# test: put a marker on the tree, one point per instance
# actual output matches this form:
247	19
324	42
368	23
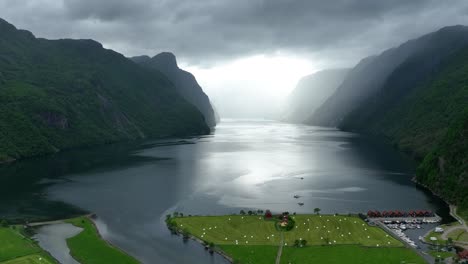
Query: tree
185	234
211	245
449	242
297	243
242	212
303	243
249	212
3	223
317	210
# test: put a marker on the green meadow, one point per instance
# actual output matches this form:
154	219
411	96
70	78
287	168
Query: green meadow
352	254
18	249
88	248
317	230
330	239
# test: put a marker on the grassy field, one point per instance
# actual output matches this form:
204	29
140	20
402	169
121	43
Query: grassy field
331	239
88	248
17	249
459	235
349	254
251	254
322	230
30	259
254	230
456	235
442	254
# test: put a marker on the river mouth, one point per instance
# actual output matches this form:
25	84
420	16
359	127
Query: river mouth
245	164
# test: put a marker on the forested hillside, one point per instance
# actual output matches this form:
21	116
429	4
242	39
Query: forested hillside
422	108
393	73
59	94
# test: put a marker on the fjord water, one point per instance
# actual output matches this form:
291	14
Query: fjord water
244	164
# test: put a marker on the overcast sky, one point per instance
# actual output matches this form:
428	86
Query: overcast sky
241	49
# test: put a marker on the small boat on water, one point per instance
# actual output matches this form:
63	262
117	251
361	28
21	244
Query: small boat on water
301	204
296	196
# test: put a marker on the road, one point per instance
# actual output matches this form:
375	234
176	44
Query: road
280	250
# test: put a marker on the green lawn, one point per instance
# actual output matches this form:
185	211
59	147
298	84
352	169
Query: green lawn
14	245
225	230
251	254
442	254
254	230
433	234
29	259
459	235
331	239
349	254
456	235
17	249
88	248
332	230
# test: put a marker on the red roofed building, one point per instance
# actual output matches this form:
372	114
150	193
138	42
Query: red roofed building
463	254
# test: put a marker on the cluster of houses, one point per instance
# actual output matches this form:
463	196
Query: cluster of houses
397	213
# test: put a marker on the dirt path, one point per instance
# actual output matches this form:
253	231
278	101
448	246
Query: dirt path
280	250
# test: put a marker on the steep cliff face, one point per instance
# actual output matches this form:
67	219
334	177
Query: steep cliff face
428	121
311	92
445	169
368	78
416	96
59	94
184	82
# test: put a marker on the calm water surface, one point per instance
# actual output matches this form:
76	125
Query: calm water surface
244	164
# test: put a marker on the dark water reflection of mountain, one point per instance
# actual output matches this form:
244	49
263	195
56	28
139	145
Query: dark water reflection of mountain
244	164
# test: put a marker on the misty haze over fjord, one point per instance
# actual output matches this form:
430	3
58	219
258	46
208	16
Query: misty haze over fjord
247	55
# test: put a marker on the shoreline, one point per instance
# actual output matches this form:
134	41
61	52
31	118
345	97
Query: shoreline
91	217
213	245
447	203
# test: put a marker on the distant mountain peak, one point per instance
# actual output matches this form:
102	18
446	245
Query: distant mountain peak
185	83
4	23
6	27
141	59
167	58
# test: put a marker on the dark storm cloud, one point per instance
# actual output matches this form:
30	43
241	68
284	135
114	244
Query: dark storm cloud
208	30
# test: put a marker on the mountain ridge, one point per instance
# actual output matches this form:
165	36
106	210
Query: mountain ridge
184	81
310	92
366	78
417	100
61	94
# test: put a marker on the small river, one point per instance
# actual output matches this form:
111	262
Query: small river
244	164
